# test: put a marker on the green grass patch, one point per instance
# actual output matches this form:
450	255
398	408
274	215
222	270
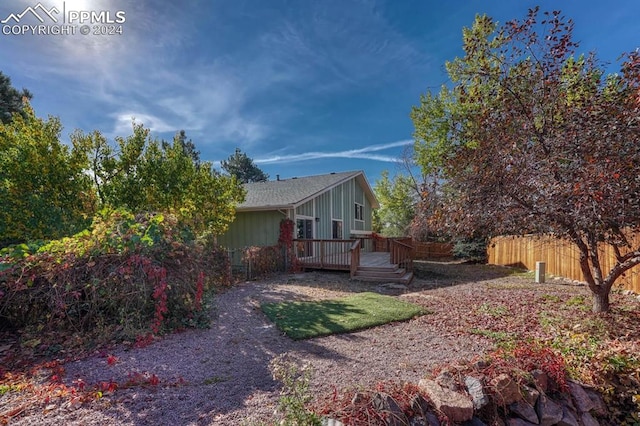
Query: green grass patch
494	311
305	320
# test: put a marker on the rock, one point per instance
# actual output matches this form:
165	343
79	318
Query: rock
429	419
420	405
568	418
582	401
599	407
476	391
474	422
525	411
506	391
530	395
385	404
588	420
517	421
432	419
541	380
549	411
457	407
446	380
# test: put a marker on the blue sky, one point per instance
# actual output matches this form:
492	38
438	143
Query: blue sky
303	87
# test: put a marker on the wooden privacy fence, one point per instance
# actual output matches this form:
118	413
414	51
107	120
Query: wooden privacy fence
561	257
421	250
424	250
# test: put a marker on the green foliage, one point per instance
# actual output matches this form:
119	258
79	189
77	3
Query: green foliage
127	275
432	121
243	168
295	396
144	174
44	190
12	100
304	320
534	138
397	199
473	250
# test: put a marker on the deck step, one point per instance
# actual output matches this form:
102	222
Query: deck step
378	268
389	273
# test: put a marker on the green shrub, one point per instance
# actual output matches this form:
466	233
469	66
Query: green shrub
129	274
473	250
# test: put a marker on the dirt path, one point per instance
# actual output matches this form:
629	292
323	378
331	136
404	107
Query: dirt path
220	376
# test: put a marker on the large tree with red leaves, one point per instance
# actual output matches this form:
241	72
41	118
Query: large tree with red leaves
532	137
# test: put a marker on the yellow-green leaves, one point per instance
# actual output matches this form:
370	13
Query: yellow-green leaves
44	192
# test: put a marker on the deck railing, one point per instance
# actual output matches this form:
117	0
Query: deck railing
324	254
345	255
400	253
355	257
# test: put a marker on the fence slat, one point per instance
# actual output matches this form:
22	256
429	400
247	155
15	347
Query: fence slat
561	256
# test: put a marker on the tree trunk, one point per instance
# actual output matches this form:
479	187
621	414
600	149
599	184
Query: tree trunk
601	301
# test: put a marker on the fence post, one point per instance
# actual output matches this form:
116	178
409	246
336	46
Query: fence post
540	271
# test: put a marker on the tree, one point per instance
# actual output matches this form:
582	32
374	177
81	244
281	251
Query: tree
145	174
187	146
243	168
540	140
12	100
44	190
397	204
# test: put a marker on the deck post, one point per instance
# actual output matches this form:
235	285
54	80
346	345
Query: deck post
355	258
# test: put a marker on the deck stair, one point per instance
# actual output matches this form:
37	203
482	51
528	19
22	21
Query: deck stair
392	266
387	273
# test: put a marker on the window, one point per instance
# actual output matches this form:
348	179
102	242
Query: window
359	212
304	228
304	231
336	225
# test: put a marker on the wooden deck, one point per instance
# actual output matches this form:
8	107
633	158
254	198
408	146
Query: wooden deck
363	265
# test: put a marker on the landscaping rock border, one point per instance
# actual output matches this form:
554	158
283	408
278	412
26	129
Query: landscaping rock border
501	401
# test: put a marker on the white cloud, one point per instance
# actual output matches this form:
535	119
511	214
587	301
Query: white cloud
123	123
360	153
245	94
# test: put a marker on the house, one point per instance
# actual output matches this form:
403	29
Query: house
332	215
330	206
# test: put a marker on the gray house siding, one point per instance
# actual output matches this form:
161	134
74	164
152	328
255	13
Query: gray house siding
314	202
337	202
260	228
323	209
307	209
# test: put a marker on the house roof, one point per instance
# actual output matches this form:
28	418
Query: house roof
292	192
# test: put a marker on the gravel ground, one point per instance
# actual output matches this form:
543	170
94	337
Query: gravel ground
220	376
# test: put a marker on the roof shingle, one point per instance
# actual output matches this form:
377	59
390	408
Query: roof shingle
288	193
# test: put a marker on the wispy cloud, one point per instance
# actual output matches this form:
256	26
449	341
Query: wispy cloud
124	122
339	43
247	75
366	153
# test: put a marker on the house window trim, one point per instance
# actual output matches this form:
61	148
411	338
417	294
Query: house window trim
340	237
361	210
